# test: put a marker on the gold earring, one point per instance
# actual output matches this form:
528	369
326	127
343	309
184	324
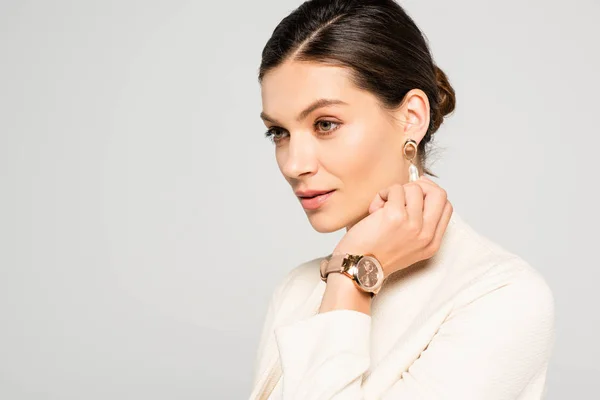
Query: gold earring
410	153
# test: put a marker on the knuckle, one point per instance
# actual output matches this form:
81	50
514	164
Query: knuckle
430	250
394	191
434	246
413	186
425	254
395	216
396	187
425	239
413	228
443	193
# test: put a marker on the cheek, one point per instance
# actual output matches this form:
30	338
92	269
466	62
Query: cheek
279	157
354	156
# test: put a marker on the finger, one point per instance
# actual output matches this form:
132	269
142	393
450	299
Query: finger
427	181
395	200
384	193
414	202
376	204
435	199
435	243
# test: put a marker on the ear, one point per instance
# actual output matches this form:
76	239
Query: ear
414	114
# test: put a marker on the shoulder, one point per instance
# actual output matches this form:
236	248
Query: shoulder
511	297
517	284
507	315
483	275
482	262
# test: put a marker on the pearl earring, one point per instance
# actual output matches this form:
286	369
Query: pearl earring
410	153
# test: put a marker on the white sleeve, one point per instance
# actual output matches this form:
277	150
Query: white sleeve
490	348
266	335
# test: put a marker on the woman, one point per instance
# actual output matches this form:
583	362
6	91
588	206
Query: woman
412	303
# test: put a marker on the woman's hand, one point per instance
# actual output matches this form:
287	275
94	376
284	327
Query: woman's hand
405	225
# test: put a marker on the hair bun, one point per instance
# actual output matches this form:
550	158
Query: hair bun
446	98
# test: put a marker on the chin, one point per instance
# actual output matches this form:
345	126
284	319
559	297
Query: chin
324	223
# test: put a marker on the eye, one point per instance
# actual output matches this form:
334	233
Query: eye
327	125
274	134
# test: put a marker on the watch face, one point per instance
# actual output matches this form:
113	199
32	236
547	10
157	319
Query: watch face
369	273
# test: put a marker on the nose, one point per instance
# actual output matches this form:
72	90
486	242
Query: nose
301	156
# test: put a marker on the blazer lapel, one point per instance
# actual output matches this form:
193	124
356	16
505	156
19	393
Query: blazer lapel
272	373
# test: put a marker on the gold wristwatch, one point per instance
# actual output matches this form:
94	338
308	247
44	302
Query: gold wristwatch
364	270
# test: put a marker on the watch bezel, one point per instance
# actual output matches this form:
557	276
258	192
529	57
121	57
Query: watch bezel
380	275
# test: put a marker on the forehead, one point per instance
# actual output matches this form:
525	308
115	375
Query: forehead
294	84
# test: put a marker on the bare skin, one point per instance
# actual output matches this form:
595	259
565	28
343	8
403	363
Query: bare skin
406	224
353	146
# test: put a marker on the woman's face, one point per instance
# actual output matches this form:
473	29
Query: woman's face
331	136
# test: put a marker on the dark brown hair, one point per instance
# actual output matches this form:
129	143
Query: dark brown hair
381	45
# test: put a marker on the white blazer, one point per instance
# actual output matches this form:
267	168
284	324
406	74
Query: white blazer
474	322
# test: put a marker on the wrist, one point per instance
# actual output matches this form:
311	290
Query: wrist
341	293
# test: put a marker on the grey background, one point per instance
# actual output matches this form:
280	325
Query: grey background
144	222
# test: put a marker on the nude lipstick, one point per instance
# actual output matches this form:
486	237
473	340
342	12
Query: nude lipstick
313	199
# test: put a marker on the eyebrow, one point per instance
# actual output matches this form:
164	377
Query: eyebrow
320	103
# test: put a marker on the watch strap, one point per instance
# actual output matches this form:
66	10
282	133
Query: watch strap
332	263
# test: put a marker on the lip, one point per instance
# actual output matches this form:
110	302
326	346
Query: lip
311	193
312	203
